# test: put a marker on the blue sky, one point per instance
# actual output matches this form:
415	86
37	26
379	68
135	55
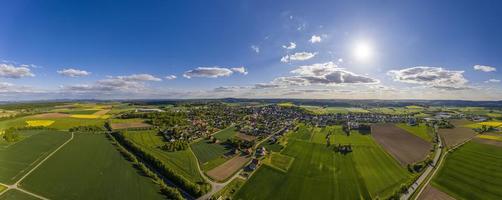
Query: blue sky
342	49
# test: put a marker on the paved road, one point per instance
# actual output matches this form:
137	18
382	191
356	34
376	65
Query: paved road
15	186
432	168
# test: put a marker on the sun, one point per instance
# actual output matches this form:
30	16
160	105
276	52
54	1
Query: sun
363	51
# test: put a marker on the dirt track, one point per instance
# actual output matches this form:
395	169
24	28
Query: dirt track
404	146
228	168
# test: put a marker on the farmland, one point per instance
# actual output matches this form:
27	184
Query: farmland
319	173
100	168
405	147
212	154
421	130
474	171
183	162
16	159
458	134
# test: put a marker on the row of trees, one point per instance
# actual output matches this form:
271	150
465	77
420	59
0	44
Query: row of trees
12	134
169	192
87	129
178	145
192	188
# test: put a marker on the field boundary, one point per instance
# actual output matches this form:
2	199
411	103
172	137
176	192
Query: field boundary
16	185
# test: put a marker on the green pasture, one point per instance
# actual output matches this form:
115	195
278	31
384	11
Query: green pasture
90	167
474	171
317	172
421	130
59	123
209	154
182	162
16	195
18	158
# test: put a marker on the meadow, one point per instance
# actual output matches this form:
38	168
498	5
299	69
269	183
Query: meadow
209	154
317	172
18	158
64	123
421	130
182	162
474	171
16	195
89	167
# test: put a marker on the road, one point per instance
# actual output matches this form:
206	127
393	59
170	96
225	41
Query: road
432	168
15	186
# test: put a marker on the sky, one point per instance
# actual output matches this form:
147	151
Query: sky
250	49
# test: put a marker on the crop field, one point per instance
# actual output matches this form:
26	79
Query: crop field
102	173
421	130
491	137
328	110
18	158
474	171
212	154
227	169
44	123
81	112
405	147
431	192
126	125
317	172
182	162
457	135
280	161
60	123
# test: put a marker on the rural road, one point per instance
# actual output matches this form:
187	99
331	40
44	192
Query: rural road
15	186
438	158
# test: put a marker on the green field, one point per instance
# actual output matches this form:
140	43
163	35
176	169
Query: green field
474	171
280	161
89	167
317	172
81	112
18	158
59	123
16	195
182	162
421	130
210	154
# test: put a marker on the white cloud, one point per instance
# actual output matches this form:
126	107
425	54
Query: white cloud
208	72
291	46
11	71
170	77
492	81
255	48
315	39
484	68
139	77
70	72
300	56
240	70
11	88
318	74
431	76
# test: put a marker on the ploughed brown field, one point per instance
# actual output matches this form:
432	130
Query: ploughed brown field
51	115
245	137
129	125
457	135
225	170
405	147
487	141
101	112
431	193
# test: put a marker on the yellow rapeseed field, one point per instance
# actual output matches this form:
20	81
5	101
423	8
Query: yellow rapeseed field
490	137
495	124
86	116
39	122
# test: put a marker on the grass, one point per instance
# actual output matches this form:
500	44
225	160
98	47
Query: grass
59	123
421	130
280	161
275	147
207	152
229	190
226	133
319	173
182	162
89	167
16	195
474	171
81	112
44	123
18	158
2	188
